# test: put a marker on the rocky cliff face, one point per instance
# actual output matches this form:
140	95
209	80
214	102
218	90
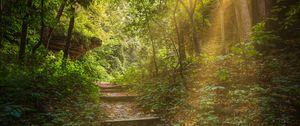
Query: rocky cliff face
79	43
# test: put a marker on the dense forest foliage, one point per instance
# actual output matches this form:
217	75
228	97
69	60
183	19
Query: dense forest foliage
192	62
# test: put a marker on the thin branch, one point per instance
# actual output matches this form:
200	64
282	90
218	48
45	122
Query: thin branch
185	7
168	36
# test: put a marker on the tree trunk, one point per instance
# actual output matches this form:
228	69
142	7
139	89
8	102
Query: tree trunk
181	47
179	31
41	30
1	22
222	21
154	56
59	14
71	26
191	11
181	42
22	46
243	18
194	30
195	37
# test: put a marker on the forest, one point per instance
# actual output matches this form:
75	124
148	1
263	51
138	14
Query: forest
185	62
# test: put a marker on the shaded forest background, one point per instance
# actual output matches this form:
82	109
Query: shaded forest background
193	62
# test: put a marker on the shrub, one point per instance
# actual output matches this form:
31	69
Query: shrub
47	90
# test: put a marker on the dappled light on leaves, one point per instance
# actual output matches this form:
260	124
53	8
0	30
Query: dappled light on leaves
150	62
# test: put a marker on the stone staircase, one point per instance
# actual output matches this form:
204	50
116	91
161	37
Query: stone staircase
121	108
148	121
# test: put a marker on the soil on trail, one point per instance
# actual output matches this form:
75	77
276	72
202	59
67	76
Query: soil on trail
123	110
120	109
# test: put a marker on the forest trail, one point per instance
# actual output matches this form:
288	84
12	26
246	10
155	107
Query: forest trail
121	108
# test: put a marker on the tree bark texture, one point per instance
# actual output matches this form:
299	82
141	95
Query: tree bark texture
243	18
36	46
180	37
58	16
22	46
69	37
1	22
191	12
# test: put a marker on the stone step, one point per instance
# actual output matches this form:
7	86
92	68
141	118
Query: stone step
123	93
111	87
147	121
107	85
112	90
118	98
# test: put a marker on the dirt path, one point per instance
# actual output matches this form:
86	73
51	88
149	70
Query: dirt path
121	108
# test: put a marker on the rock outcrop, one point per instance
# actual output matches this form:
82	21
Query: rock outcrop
79	43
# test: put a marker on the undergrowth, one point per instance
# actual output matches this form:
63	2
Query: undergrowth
246	86
46	90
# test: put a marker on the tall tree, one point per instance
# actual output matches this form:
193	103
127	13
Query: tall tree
22	46
191	12
42	28
180	37
58	16
83	3
243	18
70	30
1	22
153	51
